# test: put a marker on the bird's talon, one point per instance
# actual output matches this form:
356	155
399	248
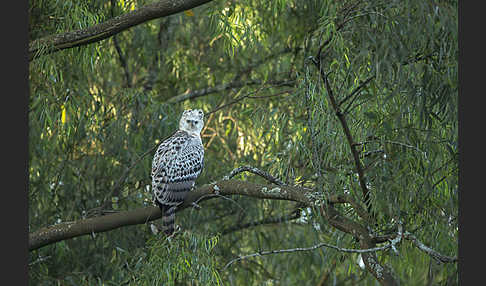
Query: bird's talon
196	206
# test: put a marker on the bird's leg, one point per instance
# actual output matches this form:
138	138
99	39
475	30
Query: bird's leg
154	228
195	205
177	230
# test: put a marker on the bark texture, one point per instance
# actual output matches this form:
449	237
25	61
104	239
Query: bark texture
67	230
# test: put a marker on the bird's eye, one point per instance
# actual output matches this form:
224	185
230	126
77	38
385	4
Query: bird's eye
188	121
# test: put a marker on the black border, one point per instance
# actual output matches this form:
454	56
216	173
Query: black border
14	115
469	22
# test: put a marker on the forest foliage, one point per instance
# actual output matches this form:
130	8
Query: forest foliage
97	111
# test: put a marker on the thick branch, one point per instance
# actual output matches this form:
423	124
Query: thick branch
62	231
109	28
67	230
52	234
55	233
382	273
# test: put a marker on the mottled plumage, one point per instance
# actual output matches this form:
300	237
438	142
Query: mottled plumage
177	163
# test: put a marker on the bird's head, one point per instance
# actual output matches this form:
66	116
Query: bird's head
192	121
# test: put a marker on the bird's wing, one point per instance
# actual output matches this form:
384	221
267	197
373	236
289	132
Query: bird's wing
177	163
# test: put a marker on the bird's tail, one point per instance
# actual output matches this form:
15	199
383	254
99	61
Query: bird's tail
168	217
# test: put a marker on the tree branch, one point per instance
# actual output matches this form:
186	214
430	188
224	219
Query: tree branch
248	95
272	220
66	230
440	258
58	232
121	57
53	43
221	87
62	231
434	254
116	189
347	133
256	171
356	91
382	273
299	249
256	64
123	62
165	31
209	90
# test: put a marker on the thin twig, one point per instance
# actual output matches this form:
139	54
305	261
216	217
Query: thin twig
256	64
123	61
209	90
124	176
164	32
349	137
255	171
356	90
204	197
121	57
369	153
419	58
39	260
434	254
320	245
222	87
271	95
248	95
350	107
390	142
294	215
404	145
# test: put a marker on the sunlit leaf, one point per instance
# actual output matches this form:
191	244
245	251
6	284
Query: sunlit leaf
189	13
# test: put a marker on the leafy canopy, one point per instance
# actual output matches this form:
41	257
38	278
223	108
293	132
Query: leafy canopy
95	110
